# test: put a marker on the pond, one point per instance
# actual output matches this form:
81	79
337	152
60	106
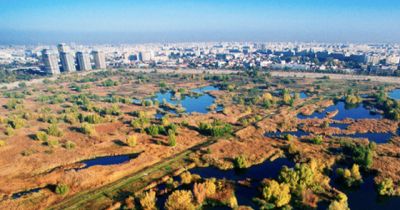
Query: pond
354	112
26	192
191	104
395	94
244	194
107	160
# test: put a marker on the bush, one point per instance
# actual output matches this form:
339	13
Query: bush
362	155
16	122
186	177
171	138
69	145
386	187
62	189
340	203
52	143
180	199
216	128
153	130
350	177
9	131
317	139
53	130
240	162
42	136
131	140
2	143
148	201
276	194
88	129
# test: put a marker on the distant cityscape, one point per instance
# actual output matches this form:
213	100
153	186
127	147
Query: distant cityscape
376	59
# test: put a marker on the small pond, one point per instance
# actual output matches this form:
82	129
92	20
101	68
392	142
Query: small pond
191	104
107	160
26	192
395	94
353	112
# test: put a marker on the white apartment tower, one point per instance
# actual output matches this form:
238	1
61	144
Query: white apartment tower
99	60
67	60
83	60
50	61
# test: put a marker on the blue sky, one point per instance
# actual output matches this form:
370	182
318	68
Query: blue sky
114	21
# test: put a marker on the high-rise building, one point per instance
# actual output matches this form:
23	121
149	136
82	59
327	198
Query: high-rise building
146	56
99	60
67	59
50	61
83	60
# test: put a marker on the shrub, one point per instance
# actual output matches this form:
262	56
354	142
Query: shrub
94	119
317	139
62	189
180	199
131	140
386	187
53	130
171	138
69	145
240	162
350	177
42	136
9	131
290	137
340	203
353	99
362	155
16	122
2	143
216	128
186	177
148	201
153	130
276	194
52	143
165	121
88	129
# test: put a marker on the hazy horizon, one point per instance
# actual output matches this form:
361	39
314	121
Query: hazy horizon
98	22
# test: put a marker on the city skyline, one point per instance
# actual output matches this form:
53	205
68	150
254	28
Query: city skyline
90	22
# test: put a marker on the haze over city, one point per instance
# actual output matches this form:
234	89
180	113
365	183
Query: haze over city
100	21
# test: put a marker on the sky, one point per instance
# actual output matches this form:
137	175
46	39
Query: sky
131	21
